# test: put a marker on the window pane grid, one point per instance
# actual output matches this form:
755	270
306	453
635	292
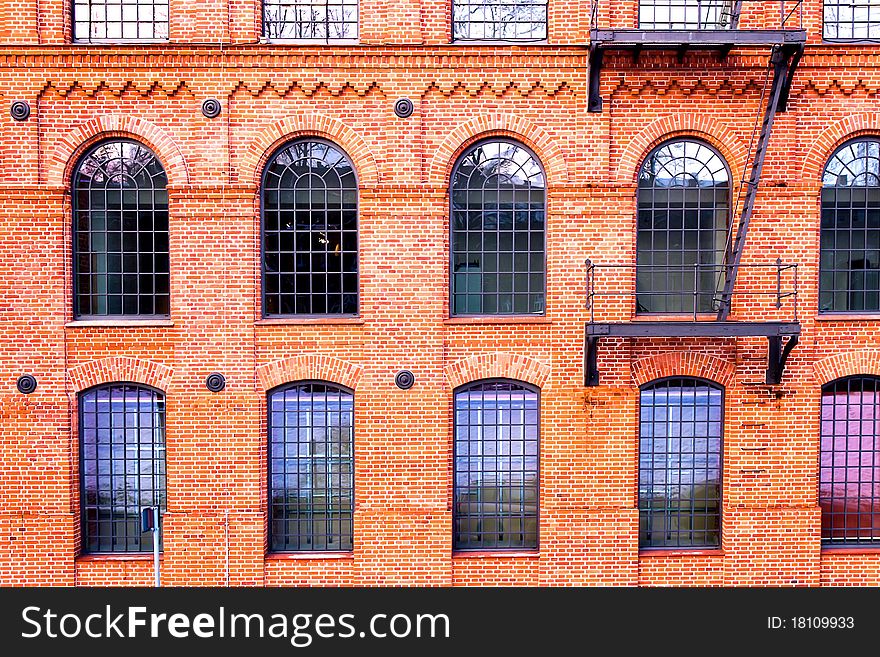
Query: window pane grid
497	20
849	470
310	232
686	14
121	232
122	465
849	20
318	20
497	224
496	467
112	20
311	468
849	277
683	210
680	464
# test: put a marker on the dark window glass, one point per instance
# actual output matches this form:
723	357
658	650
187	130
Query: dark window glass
120	242
851	20
310	232
680	464
686	14
499	20
497	223
122	465
496	467
117	20
319	20
311	468
849	251
849	470
683	206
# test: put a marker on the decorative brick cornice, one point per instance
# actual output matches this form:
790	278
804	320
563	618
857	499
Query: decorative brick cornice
309	367
497	366
499	86
308	124
282	84
854	125
683	363
849	363
118	369
692	124
488	125
69	146
686	83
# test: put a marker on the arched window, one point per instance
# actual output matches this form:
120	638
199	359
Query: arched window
849	468
122	465
499	20
324	21
849	250
310	231
680	464
686	14
496	466
120	208
683	210
311	467
851	20
498	204
120	20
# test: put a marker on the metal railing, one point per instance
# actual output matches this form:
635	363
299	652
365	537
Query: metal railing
779	285
698	15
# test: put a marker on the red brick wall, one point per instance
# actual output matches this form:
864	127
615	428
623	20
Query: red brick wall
216	522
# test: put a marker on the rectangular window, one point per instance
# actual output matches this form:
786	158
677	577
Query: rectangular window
686	14
311	20
120	20
849	20
499	20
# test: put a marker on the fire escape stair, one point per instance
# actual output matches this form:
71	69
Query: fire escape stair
787	50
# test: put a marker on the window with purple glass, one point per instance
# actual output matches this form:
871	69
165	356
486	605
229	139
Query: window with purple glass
849	464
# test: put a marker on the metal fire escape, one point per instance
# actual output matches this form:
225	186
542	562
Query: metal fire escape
711	25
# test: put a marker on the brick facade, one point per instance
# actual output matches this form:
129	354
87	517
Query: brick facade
216	527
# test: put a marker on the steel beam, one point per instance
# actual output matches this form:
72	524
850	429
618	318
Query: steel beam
662	39
777	353
648	329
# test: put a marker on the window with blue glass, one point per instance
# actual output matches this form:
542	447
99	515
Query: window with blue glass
311	467
122	465
680	464
496	466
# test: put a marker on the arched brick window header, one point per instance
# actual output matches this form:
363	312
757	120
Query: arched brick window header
120	368
311	367
514	367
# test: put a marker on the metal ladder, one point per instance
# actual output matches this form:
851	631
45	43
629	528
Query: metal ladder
784	60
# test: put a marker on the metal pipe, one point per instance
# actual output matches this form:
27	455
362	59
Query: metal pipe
778	283
156	528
